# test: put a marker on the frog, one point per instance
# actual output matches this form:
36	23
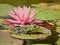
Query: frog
29	29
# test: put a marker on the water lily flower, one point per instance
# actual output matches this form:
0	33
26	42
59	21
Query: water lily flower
21	15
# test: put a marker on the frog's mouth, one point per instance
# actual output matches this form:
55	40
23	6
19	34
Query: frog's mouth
29	32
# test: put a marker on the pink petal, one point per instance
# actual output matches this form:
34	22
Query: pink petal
17	10
31	17
38	21
32	14
22	23
13	15
12	21
7	22
30	20
26	14
20	13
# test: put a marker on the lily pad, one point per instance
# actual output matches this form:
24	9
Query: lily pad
4	8
33	36
47	14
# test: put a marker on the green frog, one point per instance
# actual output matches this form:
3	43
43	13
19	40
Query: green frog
29	29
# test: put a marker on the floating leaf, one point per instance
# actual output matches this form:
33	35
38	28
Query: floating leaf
48	14
4	8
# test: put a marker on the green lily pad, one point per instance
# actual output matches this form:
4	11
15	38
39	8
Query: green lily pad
4	8
32	36
47	14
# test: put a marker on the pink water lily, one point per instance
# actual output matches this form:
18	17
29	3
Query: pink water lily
21	15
